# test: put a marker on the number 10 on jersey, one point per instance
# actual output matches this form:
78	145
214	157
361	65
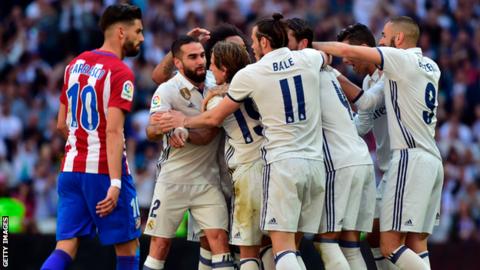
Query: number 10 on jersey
287	99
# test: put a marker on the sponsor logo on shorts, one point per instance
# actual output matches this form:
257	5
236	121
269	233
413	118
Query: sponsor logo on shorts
438	216
273	221
340	222
237	235
409	223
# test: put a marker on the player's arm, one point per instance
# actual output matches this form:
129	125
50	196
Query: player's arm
202	136
62	121
153	130
211	118
340	49
373	98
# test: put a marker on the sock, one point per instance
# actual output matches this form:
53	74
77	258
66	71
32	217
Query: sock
249	264
266	255
287	260
425	257
300	261
58	260
205	259
128	262
351	251
380	261
331	254
223	261
153	264
405	258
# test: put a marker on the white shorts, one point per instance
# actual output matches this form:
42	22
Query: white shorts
170	201
293	195
247	198
194	232
349	199
411	199
380	190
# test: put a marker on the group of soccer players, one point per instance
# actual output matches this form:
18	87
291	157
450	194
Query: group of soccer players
285	130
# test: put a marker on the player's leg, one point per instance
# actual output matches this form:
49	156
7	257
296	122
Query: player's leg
245	219
418	243
350	246
128	255
205	257
266	254
73	220
166	212
209	209
404	206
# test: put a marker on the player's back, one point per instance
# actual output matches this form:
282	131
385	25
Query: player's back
93	81
342	145
411	92
284	86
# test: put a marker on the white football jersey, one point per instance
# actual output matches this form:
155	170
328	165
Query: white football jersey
284	86
342	146
244	135
192	164
372	115
411	88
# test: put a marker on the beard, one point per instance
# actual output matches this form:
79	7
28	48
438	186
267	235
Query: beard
130	49
193	75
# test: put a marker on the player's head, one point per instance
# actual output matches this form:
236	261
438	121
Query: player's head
226	32
269	34
227	58
123	23
357	34
300	34
189	58
400	32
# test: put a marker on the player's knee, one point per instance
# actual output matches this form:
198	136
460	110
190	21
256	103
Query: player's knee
127	249
160	244
217	236
70	246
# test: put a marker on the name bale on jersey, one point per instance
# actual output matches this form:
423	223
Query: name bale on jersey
282	65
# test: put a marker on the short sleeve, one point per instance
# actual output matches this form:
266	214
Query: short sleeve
122	89
161	100
393	61
315	57
63	94
240	87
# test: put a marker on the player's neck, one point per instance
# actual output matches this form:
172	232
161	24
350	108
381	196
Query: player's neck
107	46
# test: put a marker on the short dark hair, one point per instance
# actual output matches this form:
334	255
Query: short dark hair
301	30
221	32
357	34
274	29
119	13
231	56
179	42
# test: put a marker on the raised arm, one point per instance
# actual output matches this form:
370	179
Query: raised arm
341	49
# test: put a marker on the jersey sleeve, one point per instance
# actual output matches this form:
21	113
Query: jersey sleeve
372	98
63	94
122	89
393	61
363	122
161	100
240	87
315	57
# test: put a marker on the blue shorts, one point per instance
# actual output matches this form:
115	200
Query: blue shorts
79	194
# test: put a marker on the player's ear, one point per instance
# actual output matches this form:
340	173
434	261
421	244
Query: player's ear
399	38
263	42
178	63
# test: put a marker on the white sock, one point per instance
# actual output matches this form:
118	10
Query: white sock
425	257
380	261
205	259
249	264
223	261
351	251
300	261
266	255
287	260
331	255
405	258
153	264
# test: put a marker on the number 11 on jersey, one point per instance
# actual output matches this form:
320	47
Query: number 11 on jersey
287	99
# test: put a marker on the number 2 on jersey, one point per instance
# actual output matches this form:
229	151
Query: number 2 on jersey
430	98
287	99
89	118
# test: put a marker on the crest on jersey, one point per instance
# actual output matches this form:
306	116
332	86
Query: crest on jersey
151	224
127	90
185	93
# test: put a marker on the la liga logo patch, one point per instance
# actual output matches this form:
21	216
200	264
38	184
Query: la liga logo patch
127	91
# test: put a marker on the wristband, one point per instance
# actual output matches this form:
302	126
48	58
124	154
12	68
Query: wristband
116	183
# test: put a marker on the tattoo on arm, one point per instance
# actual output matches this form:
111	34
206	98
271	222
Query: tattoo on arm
168	68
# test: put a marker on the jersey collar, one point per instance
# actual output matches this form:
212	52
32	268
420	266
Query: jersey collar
416	50
274	54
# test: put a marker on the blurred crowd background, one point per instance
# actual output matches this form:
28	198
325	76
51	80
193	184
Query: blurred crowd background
38	38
